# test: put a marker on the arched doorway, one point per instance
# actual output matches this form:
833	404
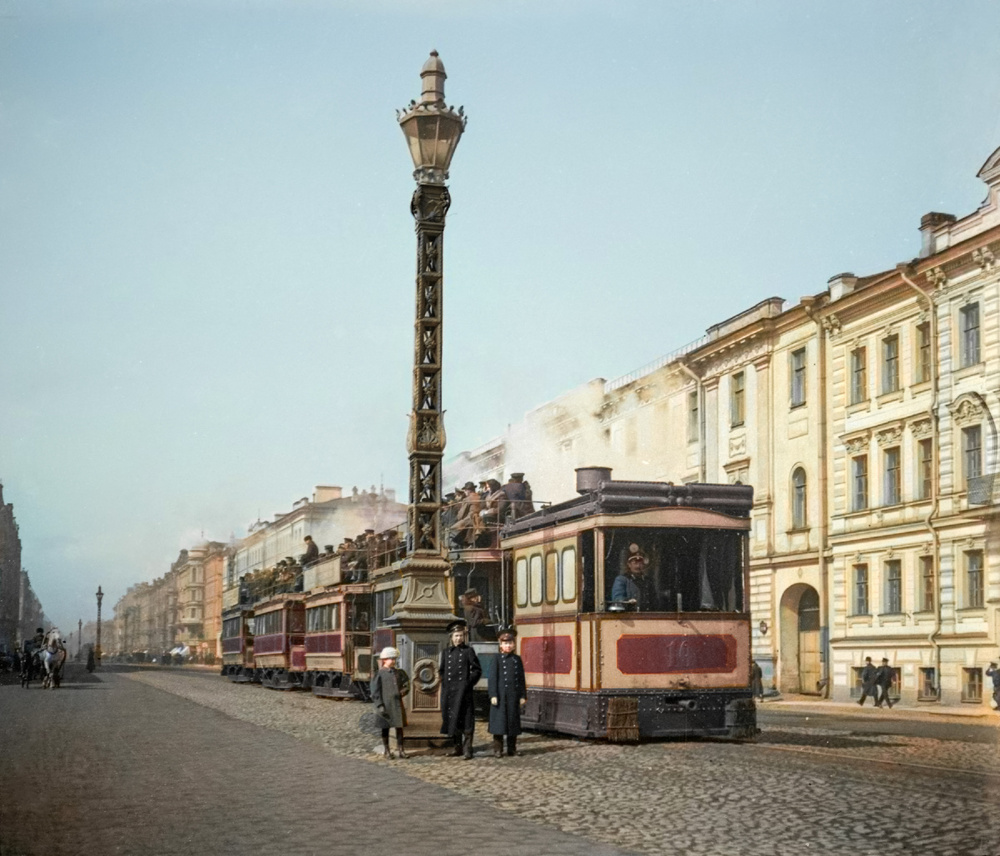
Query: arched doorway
800	640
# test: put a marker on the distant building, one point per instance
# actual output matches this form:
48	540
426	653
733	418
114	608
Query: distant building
10	577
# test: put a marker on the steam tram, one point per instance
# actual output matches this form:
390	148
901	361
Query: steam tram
673	661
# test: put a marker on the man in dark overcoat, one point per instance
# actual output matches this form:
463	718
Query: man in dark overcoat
883	681
868	682
508	694
460	670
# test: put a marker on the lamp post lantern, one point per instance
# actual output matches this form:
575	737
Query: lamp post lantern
97	646
432	130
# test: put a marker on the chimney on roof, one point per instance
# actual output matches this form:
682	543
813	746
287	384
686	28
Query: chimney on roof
841	285
929	224
324	493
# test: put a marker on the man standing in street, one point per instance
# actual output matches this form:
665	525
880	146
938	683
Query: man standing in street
868	682
883	681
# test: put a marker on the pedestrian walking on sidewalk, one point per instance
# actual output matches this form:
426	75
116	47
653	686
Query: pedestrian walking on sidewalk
883	681
868	687
994	672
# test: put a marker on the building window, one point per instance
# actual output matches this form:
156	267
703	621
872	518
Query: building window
694	417
799	499
972	684
894	587
861	589
891	477
925	468
968	322
736	402
859	483
923	367
798	371
928	684
859	375
928	583
890	364
974	578
972	451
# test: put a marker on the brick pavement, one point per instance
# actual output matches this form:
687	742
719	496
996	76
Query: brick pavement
123	768
797	790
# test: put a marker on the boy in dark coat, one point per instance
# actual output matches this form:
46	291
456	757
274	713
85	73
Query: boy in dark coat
459	670
388	687
508	694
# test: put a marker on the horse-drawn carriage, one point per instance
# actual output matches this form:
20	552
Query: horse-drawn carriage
44	655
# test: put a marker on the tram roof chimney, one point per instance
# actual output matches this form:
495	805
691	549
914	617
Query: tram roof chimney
588	479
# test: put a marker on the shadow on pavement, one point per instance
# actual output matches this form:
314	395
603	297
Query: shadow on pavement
787	738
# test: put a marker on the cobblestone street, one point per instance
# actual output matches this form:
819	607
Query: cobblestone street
799	789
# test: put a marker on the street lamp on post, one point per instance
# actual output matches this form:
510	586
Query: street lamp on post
97	646
432	130
79	637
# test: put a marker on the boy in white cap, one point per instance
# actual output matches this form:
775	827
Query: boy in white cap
388	687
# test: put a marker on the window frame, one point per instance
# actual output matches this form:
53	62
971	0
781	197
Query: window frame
892	476
859	375
972	456
923	364
797	377
928	582
737	399
890	364
975	579
969	335
861	587
972	684
859	479
694	417
800	507
567	572
925	468
893	587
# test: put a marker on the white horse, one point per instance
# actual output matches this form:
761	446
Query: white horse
53	657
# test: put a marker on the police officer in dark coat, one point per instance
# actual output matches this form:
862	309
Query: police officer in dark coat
508	693
460	670
868	682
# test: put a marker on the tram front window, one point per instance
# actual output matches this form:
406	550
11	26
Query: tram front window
673	570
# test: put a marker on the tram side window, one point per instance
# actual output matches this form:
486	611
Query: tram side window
683	570
359	619
323	618
521	581
231	627
265	625
551	576
384	601
535	578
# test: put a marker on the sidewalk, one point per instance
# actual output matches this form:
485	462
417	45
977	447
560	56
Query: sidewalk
815	704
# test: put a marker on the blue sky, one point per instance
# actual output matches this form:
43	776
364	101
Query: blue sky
207	256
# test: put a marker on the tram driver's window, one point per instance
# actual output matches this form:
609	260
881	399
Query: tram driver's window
567	569
551	576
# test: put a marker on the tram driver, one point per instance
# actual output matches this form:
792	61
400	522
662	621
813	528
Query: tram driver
631	589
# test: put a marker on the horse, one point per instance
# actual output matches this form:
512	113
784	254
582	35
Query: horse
53	657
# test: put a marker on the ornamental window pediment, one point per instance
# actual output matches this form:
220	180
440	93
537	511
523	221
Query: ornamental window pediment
857	442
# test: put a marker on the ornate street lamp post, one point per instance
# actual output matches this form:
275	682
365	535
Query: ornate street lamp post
432	131
97	647
79	637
